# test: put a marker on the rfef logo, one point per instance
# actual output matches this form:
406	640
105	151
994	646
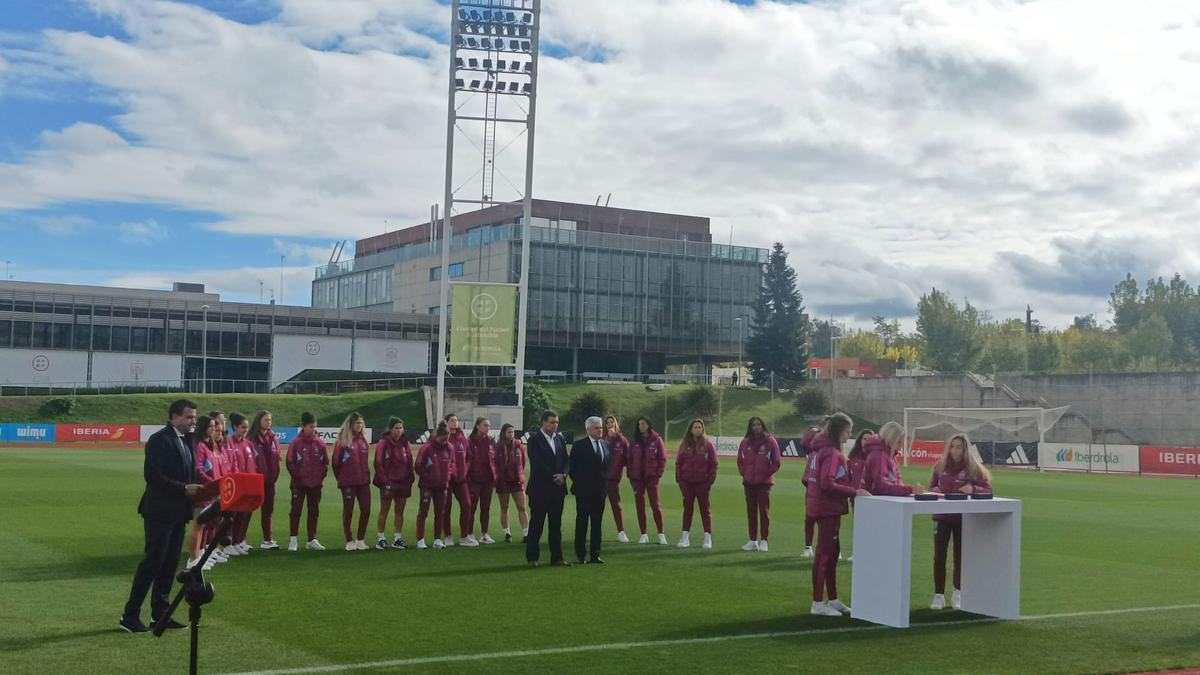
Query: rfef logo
41	363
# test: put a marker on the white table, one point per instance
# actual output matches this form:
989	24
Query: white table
882	569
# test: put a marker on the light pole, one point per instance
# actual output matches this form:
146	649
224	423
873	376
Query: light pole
204	351
260	291
833	344
282	258
741	333
6	264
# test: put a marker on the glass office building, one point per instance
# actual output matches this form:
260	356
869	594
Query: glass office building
104	337
611	290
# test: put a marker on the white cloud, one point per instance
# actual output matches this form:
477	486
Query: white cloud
62	225
889	145
142	232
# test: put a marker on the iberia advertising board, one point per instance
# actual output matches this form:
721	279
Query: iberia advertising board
98	433
1173	461
1098	457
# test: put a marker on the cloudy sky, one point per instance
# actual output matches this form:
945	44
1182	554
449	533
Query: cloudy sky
1007	151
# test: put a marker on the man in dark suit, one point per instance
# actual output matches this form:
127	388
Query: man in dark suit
589	483
549	465
166	508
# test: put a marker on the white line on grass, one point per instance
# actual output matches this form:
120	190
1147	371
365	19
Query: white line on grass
615	646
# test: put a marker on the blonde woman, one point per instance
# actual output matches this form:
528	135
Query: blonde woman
880	475
959	470
352	468
619	445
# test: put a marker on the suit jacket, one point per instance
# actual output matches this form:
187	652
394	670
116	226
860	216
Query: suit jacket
169	467
589	473
544	462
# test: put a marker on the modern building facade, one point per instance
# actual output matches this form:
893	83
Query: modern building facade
99	337
611	290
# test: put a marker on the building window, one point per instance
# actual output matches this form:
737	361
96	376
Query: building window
435	310
456	270
435	273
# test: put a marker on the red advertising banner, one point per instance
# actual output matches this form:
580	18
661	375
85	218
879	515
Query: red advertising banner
1177	461
98	433
925	453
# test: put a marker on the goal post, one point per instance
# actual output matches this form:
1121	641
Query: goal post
969	420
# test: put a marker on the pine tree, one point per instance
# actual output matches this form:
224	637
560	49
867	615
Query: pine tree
778	340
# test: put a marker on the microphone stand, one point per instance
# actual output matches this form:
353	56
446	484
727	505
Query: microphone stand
196	591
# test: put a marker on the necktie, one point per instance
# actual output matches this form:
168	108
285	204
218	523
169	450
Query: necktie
599	454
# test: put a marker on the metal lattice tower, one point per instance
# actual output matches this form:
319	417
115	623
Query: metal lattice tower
492	106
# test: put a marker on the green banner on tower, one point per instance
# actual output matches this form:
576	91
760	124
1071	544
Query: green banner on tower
483	324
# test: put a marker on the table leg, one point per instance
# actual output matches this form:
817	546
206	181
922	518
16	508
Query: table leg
882	567
991	566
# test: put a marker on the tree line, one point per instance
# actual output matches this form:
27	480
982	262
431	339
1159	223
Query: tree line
1154	326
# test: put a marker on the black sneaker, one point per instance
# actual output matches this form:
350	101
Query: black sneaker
133	625
171	624
399	543
382	545
508	537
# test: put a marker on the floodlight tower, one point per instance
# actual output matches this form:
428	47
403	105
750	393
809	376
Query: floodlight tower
492	104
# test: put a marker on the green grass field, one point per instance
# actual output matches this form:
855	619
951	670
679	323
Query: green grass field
70	539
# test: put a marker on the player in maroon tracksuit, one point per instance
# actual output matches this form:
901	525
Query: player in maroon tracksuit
434	465
647	462
695	472
394	477
880	475
857	460
810	525
511	459
959	470
267	458
307	463
616	466
829	490
241	452
207	470
460	487
758	459
352	468
482	477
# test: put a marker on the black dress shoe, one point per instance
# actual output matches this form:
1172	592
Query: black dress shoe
561	563
133	625
597	560
171	624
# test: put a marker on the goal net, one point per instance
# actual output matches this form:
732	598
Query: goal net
1001	435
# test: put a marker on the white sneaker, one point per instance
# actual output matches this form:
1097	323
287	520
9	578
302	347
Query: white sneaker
662	539
621	538
421	545
469	542
939	601
293	545
314	545
525	532
351	546
644	539
269	545
808	552
707	540
449	541
762	545
956	599
750	546
244	547
839	556
208	565
823	609
192	563
850	559
231	551
438	543
218	557
360	545
684	540
837	604
487	539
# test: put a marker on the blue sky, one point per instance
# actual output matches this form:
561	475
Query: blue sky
1009	151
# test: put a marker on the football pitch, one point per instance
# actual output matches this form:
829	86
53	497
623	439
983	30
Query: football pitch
1110	583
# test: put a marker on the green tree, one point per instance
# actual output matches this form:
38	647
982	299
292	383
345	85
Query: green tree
1150	341
823	333
950	336
862	345
1043	353
888	331
778	341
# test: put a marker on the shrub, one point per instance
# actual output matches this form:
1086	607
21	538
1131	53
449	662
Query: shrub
534	403
704	400
588	403
811	401
58	407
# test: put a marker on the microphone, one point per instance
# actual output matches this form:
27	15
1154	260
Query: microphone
239	492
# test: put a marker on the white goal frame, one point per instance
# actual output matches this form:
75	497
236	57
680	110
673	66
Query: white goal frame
1045	418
